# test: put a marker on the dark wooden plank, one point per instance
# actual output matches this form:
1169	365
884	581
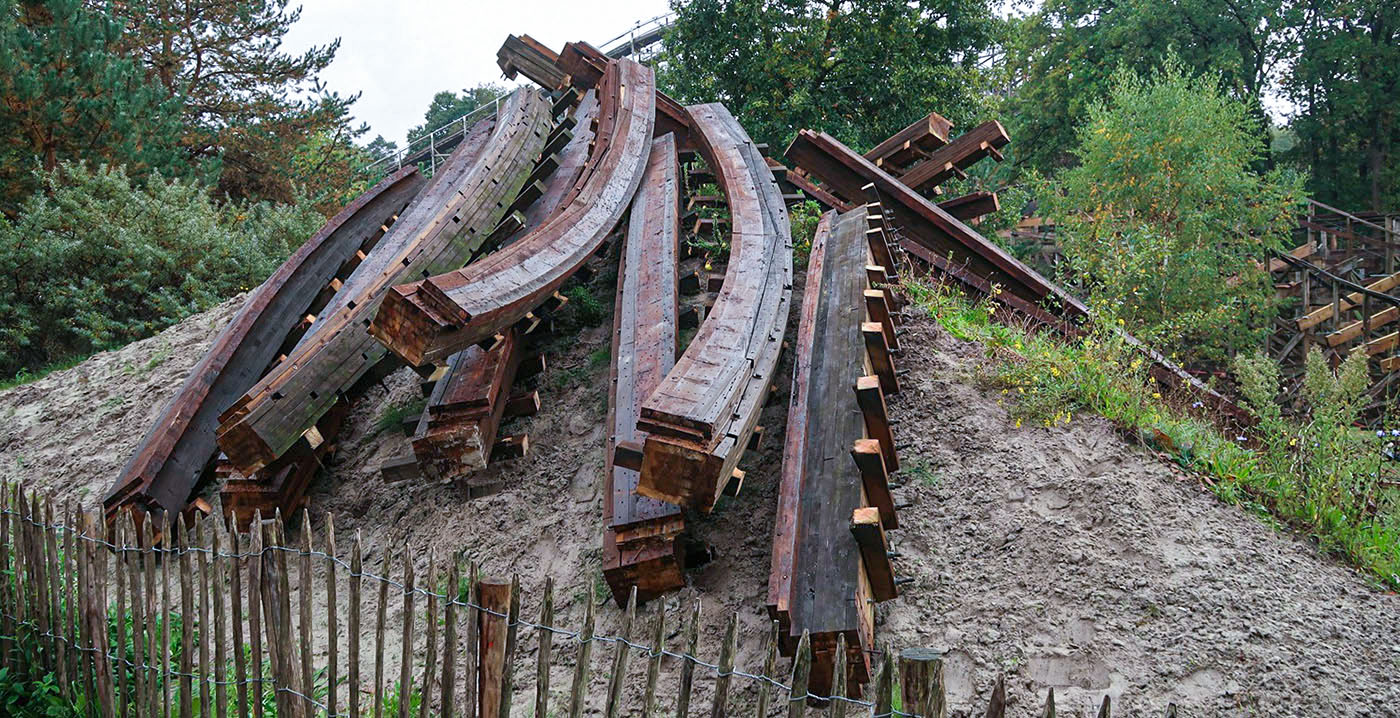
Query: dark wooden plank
971	206
427	321
924	134
827	574
645	339
527	56
929	231
173	455
458	430
454	214
944	163
700	418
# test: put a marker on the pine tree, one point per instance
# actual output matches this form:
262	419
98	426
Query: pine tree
66	95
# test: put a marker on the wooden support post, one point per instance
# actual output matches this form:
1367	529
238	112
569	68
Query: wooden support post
877	307
874	552
880	359
871	399
494	596
921	682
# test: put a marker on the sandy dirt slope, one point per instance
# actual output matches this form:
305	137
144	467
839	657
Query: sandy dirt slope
1067	558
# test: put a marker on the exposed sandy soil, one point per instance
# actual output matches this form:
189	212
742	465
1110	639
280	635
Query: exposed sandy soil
1067	557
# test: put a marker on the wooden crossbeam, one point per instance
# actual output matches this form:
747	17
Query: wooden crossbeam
951	160
1357	328
1347	302
913	142
869	533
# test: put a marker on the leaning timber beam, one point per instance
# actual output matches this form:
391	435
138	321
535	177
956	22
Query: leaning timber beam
468	197
929	230
170	461
640	540
913	143
1358	328
700	418
830	561
427	321
951	160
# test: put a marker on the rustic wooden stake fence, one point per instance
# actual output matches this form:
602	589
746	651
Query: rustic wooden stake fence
180	621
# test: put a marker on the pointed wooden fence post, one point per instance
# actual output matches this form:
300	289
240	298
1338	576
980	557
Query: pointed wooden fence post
255	559
770	664
884	685
692	643
726	668
406	638
838	679
187	627
305	591
543	655
658	648
1049	704
205	669
353	628
512	638
494	597
619	668
996	707
801	675
379	620
219	564
579	688
425	700
332	624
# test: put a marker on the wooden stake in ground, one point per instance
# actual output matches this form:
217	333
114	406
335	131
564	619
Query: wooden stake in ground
921	682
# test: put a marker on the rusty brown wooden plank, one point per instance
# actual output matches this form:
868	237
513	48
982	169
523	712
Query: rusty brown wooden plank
173	455
454	214
429	320
700	418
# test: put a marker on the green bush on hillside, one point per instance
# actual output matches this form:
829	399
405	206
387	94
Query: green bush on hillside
95	260
1163	221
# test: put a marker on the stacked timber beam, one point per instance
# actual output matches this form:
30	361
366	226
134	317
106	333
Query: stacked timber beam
456	434
830	560
427	321
698	421
455	215
177	452
641	545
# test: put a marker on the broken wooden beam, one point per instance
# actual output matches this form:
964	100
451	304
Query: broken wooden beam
457	432
699	419
527	56
427	321
971	207
449	219
176	451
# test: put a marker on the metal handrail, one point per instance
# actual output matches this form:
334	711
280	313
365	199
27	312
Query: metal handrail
1345	283
1349	216
465	121
659	21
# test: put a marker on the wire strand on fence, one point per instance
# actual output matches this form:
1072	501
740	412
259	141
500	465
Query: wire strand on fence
572	635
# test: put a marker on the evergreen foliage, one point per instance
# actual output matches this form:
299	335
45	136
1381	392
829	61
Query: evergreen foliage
98	259
64	96
1164	222
448	106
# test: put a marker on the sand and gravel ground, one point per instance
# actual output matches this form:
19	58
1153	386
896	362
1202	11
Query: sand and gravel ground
1064	557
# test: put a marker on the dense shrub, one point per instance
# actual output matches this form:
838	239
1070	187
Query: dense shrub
96	260
1164	222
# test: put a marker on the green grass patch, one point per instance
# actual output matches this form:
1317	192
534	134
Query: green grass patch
393	416
1314	472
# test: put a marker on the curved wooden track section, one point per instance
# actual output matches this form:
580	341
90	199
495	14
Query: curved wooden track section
700	418
177	449
454	216
425	322
640	546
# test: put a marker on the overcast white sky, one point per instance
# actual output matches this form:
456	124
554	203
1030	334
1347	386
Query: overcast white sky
400	53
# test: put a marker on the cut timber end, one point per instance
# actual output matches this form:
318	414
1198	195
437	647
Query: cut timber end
869	533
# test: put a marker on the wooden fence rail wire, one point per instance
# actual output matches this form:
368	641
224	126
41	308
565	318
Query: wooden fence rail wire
120	619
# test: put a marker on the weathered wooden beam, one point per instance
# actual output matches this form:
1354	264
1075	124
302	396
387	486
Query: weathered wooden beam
428	320
869	533
870	459
1357	328
871	399
457	432
174	454
440	230
1347	302
700	417
970	207
913	142
525	55
944	163
645	339
930	232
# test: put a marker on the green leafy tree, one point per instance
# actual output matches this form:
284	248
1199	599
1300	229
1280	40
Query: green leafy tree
247	103
65	95
448	106
1345	83
1063	56
859	70
1164	222
97	260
